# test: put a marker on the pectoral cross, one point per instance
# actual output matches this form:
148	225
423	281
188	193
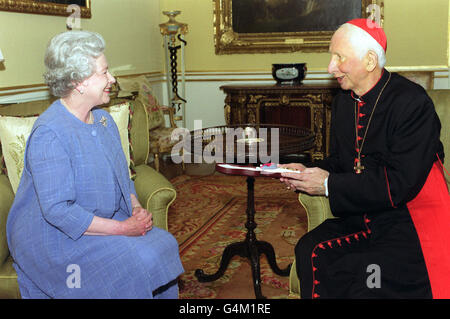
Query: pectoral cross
358	168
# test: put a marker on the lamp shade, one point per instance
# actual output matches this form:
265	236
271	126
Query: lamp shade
1	56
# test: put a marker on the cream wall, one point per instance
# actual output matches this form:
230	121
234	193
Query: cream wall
129	27
418	39
417	32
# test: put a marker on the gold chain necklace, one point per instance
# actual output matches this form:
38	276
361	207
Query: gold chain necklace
358	168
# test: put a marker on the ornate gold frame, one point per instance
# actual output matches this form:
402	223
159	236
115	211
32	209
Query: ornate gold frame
227	41
49	8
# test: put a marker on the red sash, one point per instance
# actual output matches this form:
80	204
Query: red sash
430	212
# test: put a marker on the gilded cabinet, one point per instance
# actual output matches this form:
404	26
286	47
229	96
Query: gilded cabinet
304	105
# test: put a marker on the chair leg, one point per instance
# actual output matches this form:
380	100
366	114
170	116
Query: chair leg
157	162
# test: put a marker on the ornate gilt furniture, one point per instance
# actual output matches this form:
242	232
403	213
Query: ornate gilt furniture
306	106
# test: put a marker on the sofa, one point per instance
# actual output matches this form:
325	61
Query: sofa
154	191
318	208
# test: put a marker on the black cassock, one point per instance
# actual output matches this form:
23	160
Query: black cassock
388	241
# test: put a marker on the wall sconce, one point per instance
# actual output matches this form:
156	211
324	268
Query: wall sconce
1	56
172	31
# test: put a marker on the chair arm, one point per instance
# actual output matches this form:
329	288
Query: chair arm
155	193
6	200
9	288
317	209
171	112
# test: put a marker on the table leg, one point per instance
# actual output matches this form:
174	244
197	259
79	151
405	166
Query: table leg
251	248
229	252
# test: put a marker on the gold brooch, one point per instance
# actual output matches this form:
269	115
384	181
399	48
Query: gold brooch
103	121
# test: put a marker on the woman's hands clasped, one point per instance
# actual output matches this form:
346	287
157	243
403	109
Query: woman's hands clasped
139	223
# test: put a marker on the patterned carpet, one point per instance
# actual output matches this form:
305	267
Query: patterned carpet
209	214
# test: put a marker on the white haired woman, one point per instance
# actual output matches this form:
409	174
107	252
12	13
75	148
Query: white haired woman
76	207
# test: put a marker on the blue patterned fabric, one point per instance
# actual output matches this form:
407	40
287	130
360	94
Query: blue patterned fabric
73	172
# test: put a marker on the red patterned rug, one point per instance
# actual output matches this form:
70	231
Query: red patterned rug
209	214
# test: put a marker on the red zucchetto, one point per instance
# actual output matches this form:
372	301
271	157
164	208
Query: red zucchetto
372	28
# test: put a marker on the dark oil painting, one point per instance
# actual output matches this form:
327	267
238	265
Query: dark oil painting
81	3
267	16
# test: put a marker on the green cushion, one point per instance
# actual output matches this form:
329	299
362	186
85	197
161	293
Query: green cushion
139	138
8	277
9	288
6	199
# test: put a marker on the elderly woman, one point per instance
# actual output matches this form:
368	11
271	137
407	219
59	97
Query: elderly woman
76	228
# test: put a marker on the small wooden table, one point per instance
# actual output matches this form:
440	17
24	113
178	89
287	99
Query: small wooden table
291	139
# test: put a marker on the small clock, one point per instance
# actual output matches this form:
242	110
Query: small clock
290	73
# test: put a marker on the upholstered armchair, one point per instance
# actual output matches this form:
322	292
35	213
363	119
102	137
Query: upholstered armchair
140	89
317	210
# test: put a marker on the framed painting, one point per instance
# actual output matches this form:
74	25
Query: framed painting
49	7
273	26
